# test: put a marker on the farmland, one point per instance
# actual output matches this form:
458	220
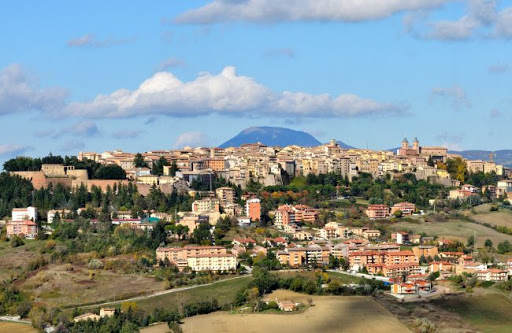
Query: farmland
453	229
328	314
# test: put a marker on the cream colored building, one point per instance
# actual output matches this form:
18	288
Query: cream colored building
212	262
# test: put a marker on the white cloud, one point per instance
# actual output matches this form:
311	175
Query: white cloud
91	41
226	93
504	24
169	63
191	139
455	93
301	10
84	128
9	150
454	30
20	91
481	19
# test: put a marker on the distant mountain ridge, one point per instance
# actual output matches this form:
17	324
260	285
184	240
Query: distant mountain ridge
272	136
503	156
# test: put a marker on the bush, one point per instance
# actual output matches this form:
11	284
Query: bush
95	264
17	241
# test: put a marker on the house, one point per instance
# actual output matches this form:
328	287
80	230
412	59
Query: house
27	229
278	241
405	207
244	241
494	275
50	216
286	306
400	237
406	288
377	211
107	312
371	234
445	268
86	316
244	221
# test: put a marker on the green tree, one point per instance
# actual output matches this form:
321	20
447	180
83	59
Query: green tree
112	171
138	161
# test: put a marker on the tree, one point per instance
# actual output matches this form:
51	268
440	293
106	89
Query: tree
174	168
504	247
488	243
112	171
471	241
138	161
158	167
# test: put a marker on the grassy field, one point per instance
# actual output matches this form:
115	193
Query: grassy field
452	229
500	218
14	260
223	291
57	285
6	327
328	314
487	313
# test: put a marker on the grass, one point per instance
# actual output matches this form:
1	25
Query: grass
453	229
15	260
500	218
16	327
488	313
224	292
58	286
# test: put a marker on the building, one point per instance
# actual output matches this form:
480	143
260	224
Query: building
494	275
226	195
400	237
107	312
425	251
212	262
24	214
207	205
253	208
86	316
27	229
174	254
405	207
377	211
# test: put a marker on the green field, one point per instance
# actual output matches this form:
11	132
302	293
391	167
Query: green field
488	313
453	229
224	292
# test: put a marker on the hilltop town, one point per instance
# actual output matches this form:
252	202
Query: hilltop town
344	221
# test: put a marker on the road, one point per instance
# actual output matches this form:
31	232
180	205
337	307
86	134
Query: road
159	293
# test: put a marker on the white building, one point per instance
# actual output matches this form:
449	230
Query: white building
24	214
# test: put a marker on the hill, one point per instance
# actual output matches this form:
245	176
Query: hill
502	156
272	136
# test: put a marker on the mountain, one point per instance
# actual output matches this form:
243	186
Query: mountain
344	145
272	136
502	156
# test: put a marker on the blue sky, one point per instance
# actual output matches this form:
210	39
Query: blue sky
102	75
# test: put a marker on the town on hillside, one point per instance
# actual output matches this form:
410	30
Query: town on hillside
99	238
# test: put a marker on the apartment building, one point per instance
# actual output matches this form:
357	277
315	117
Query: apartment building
253	208
377	211
207	205
24	214
173	254
212	262
425	251
27	229
226	195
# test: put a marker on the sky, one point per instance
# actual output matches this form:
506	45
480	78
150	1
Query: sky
139	76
